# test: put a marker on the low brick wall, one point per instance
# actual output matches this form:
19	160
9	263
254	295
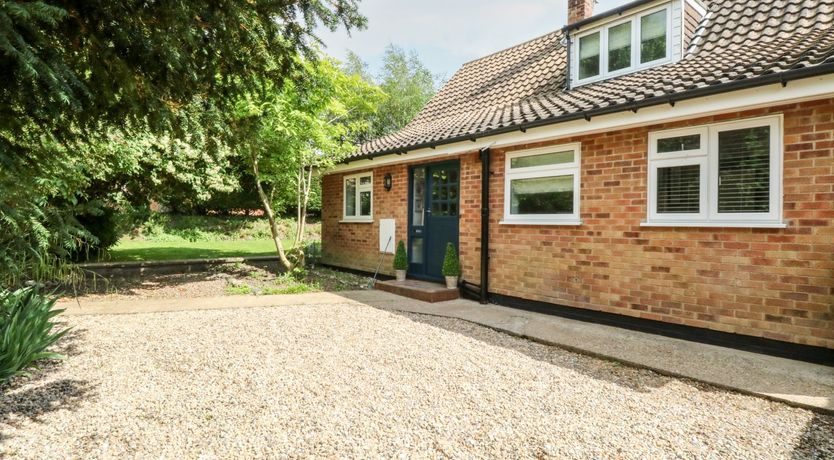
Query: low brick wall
138	269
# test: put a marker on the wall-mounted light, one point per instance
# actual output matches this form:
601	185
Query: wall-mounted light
387	182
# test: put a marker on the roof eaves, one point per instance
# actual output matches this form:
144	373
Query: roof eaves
743	83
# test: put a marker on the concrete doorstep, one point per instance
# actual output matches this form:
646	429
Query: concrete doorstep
794	382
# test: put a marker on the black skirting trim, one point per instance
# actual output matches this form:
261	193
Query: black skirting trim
807	353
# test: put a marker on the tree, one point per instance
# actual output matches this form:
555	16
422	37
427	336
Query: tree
405	80
289	134
81	76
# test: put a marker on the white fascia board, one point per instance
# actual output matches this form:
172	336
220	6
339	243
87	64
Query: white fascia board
763	96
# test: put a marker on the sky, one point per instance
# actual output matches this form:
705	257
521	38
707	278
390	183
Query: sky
448	33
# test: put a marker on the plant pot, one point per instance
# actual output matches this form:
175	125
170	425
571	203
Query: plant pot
400	275
451	282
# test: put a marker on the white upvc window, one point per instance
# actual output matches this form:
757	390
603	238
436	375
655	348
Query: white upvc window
720	175
635	43
541	186
358	195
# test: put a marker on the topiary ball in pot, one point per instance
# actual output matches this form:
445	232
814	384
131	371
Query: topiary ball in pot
400	261
451	266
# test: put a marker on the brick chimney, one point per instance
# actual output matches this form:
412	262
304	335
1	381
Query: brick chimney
579	10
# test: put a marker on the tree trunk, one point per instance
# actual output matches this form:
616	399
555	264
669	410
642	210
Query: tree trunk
305	185
273	225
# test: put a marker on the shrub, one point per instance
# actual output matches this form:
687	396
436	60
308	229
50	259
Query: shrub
106	226
312	254
400	257
26	330
451	264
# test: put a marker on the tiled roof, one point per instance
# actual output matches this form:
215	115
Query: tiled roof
738	42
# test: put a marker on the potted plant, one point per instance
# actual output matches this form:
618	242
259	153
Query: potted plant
400	261
451	266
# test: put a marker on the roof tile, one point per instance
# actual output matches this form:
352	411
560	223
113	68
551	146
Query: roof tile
738	39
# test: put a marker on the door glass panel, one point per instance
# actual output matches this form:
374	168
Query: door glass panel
419	199
417	250
445	192
364	180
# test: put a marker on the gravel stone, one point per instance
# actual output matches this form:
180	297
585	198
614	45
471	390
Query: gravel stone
354	381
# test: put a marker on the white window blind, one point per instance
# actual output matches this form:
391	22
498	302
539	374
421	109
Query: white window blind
744	170
726	174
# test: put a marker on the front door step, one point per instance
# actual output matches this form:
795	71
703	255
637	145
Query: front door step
420	290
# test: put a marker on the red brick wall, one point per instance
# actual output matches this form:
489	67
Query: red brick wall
356	245
775	283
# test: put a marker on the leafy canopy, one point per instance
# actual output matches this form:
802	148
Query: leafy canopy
104	100
404	79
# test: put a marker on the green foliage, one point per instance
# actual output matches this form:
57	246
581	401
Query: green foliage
112	103
133	250
451	263
289	133
243	289
312	253
289	283
288	130
26	330
400	257
106	228
165	227
405	80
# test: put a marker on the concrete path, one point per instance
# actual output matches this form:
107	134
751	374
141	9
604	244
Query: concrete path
797	383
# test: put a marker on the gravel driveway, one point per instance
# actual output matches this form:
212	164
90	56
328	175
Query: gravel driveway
354	381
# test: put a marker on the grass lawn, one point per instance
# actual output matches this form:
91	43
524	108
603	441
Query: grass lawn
139	250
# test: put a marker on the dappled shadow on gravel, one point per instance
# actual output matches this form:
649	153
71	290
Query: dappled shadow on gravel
32	403
817	441
28	397
641	380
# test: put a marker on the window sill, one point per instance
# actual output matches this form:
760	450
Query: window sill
356	221
716	224
541	222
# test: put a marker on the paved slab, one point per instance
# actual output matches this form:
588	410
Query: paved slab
797	383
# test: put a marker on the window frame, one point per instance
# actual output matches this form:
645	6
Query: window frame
635	66
357	203
535	172
707	157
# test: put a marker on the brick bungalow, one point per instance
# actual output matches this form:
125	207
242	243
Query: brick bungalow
666	166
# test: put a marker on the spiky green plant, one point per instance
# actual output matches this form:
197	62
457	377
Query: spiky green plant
451	263
26	330
400	257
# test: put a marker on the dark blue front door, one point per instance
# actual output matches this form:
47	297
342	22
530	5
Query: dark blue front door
434	217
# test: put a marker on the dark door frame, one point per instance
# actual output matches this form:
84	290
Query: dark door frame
427	204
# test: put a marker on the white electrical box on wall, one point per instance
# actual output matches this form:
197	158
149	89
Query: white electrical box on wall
387	235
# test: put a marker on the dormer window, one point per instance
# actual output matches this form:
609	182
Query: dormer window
625	44
654	30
